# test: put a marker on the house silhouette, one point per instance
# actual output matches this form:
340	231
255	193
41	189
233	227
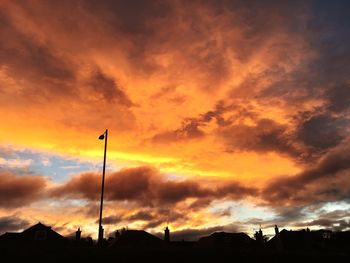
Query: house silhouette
226	240
300	239
136	238
41	241
38	234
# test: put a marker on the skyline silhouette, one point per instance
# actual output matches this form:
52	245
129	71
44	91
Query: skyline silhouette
134	245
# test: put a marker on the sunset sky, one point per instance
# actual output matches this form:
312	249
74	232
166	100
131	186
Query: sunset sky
222	115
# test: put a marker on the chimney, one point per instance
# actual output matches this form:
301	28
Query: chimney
116	235
167	234
276	230
78	234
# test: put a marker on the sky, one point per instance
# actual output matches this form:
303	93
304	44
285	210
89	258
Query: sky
222	115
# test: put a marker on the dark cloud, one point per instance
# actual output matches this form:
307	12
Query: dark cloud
337	220
154	223
225	212
176	191
163	215
321	132
12	223
109	89
171	214
150	217
299	216
111	220
190	130
128	18
152	24
200	203
326	181
265	136
90	211
147	186
17	191
86	186
312	136
288	214
324	77
234	190
27	59
328	26
141	215
335	225
338	98
307	136
285	217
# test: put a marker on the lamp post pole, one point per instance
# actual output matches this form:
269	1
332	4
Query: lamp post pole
100	228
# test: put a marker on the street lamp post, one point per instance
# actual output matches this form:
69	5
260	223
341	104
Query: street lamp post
100	228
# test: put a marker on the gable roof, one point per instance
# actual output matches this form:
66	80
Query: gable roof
226	239
50	234
299	239
38	233
137	238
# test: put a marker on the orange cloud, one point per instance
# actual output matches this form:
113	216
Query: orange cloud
148	187
17	191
